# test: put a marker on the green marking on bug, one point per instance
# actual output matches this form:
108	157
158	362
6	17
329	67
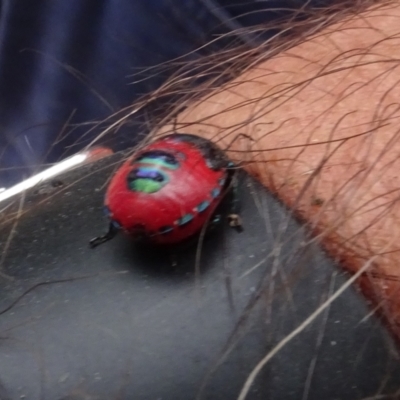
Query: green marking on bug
147	180
145	186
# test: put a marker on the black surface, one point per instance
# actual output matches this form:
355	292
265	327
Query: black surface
131	325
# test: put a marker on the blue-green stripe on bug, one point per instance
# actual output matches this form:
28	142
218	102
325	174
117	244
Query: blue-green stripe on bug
215	192
185	219
202	206
158	162
165	230
147	180
159	158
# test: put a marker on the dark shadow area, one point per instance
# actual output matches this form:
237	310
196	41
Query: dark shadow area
122	322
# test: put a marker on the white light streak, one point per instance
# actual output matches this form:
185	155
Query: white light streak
42	176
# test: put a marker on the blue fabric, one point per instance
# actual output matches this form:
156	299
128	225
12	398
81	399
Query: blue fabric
72	61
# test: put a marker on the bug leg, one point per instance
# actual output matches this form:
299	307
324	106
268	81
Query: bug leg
234	219
112	231
235	222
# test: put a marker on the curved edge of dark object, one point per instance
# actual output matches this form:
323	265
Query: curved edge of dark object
122	322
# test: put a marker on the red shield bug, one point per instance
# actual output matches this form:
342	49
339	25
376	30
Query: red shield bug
169	190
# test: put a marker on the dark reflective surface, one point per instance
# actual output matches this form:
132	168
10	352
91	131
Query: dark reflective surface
122	322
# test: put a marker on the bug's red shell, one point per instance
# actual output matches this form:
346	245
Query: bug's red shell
176	211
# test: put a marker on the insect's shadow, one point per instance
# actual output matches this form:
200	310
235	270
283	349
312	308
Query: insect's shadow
193	258
178	262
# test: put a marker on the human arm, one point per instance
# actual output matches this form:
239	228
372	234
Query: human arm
323	119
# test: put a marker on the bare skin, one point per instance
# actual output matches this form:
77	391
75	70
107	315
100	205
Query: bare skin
324	117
